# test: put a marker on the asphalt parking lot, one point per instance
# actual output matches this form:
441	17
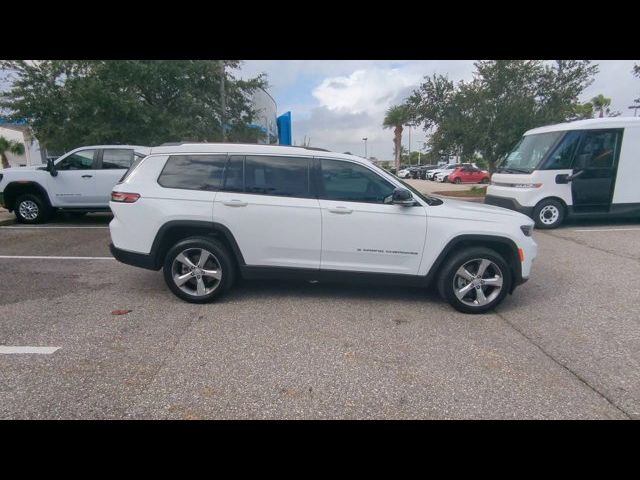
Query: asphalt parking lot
565	345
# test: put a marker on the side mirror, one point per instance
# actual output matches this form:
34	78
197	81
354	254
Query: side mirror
51	167
402	196
565	178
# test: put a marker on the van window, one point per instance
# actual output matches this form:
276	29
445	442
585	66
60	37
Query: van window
562	156
597	149
279	176
351	182
193	172
530	151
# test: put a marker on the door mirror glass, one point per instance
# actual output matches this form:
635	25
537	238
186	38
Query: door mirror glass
402	196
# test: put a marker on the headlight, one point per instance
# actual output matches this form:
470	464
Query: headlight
527	229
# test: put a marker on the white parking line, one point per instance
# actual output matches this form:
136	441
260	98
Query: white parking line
12	227
50	257
38	350
606	230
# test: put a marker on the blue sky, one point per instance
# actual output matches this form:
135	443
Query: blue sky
337	102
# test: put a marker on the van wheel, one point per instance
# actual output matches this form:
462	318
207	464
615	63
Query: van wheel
475	280
198	269
31	209
548	214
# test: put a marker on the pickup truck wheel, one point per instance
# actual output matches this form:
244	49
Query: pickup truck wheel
198	269
475	280
31	209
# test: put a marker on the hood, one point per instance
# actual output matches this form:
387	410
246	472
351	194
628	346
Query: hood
459	209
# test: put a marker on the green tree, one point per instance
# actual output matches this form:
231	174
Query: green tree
487	115
397	117
72	103
9	146
601	105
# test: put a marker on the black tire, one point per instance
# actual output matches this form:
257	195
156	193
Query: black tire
221	256
548	214
445	179
457	181
472	256
30	208
484	180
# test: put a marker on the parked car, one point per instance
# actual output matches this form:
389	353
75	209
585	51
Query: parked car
424	169
207	213
446	170
404	173
581	169
78	182
468	174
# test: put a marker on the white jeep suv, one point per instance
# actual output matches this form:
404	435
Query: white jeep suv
78	182
206	213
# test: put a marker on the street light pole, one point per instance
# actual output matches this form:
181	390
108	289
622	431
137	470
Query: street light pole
365	146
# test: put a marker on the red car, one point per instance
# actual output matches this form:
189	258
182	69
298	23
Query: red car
469	174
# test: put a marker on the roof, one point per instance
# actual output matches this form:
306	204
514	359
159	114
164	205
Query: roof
605	122
252	148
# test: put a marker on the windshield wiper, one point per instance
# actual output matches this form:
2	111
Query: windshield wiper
512	170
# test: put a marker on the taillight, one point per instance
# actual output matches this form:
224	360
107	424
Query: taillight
124	197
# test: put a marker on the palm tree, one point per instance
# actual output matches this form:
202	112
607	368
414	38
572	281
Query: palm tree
397	117
601	104
10	146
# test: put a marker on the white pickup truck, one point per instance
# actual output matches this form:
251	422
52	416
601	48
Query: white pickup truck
78	182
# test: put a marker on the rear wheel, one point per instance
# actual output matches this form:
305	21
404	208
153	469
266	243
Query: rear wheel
485	180
198	269
548	214
475	280
31	209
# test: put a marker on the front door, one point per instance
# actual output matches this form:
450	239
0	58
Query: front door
594	170
361	231
75	184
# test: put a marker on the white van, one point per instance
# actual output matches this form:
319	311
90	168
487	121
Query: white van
585	169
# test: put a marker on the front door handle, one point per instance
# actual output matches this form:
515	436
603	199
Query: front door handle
342	210
87	176
235	203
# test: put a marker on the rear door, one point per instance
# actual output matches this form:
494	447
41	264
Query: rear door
269	205
595	164
75	184
112	164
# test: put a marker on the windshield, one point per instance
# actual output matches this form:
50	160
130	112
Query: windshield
528	153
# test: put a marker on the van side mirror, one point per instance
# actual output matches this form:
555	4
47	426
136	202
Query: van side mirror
51	167
566	178
402	196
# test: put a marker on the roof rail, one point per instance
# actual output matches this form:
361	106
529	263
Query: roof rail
174	144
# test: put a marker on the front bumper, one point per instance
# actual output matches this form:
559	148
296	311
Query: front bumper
510	203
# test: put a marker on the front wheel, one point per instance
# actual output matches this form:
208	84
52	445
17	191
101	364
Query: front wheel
475	280
457	181
548	214
31	209
198	269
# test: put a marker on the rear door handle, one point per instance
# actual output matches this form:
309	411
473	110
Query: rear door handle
235	203
87	176
342	210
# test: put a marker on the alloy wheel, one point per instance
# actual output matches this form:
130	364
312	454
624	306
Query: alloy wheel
196	271
478	282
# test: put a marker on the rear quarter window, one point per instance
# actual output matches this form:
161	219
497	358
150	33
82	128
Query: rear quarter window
193	172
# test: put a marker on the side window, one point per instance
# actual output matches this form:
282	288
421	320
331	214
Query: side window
82	160
597	149
351	182
234	177
193	172
280	176
116	159
562	157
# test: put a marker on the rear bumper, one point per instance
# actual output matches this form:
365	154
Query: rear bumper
510	203
141	260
